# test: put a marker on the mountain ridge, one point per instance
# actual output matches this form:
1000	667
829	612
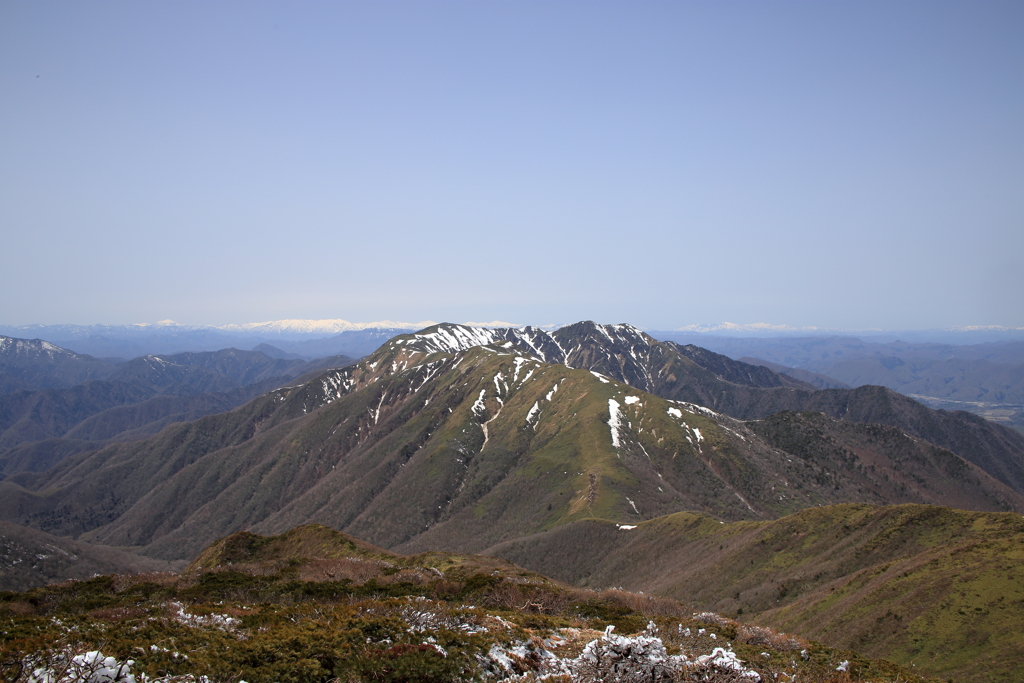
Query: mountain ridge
420	449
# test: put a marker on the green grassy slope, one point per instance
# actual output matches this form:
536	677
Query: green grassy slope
933	587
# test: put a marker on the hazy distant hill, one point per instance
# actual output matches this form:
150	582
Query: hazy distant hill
986	379
307	338
135	399
813	378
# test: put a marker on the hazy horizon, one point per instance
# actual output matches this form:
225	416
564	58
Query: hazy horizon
728	328
834	165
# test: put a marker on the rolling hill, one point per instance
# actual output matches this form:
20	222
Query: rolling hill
316	605
931	587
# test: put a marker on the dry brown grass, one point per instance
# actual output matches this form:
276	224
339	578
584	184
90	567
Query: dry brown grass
356	569
17	607
763	636
528	598
647	605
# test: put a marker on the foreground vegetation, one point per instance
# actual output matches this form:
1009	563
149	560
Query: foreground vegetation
933	588
302	607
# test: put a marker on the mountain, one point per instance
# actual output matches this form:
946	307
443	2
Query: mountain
441	450
274	352
696	375
137	398
813	378
32	364
319	327
986	379
302	337
196	373
354	343
422	449
930	587
715	335
461	439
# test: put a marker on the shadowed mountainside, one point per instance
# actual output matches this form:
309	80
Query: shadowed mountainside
136	399
29	558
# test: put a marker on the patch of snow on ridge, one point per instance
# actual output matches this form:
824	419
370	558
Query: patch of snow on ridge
530	416
335	386
699	410
552	392
630	400
601	377
614	421
518	361
453	338
479	406
626	527
633	505
602	330
675	412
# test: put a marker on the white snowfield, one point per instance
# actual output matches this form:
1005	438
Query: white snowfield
335	326
321	326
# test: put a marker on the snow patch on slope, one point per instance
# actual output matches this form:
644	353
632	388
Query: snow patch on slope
614	421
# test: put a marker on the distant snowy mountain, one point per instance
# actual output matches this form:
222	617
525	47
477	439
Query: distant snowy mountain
324	327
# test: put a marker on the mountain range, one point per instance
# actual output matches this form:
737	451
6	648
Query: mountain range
525	443
984	378
70	402
449	438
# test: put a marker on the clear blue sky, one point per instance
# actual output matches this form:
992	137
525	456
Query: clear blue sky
839	164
